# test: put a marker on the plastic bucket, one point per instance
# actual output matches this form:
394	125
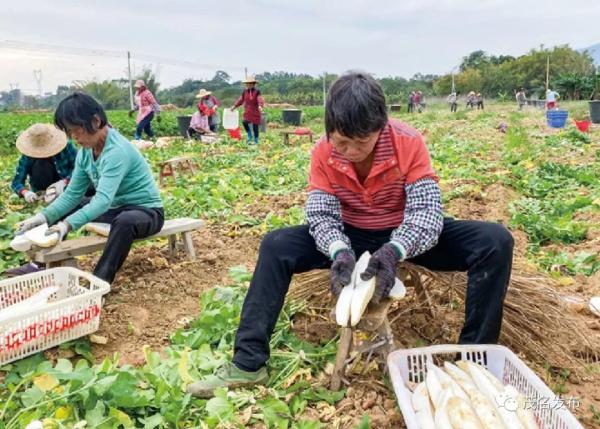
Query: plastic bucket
583	126
557	118
292	116
231	119
183	122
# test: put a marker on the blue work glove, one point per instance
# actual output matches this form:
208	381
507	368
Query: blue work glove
341	270
61	228
382	265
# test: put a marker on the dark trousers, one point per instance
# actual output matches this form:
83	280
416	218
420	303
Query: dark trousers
194	134
254	131
482	249
127	223
453	107
480	105
145	125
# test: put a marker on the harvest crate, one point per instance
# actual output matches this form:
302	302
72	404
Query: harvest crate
409	365
71	312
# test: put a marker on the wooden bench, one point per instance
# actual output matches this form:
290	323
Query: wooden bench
170	167
286	135
64	253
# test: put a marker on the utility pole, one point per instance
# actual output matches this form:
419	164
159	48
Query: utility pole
324	88
37	74
547	72
129	77
245	72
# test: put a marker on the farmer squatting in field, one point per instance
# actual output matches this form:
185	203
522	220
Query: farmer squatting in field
371	188
126	194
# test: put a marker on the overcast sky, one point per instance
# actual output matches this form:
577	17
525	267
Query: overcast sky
194	38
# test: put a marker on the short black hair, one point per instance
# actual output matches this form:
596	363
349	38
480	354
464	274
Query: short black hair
79	109
355	106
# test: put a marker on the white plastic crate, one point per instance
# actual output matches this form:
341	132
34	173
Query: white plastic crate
71	312
409	365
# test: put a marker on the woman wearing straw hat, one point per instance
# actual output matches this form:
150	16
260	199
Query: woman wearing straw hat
146	105
47	160
207	99
199	124
253	104
126	194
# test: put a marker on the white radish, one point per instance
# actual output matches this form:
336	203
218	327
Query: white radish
398	291
363	290
446	381
434	388
502	401
38	236
461	415
425	420
461	377
497	383
524	413
36	301
441	412
99	228
420	398
344	302
20	243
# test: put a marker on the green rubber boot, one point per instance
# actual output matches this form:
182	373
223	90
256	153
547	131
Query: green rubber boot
229	376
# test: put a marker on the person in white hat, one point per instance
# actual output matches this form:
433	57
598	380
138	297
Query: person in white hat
207	99
147	107
253	105
47	162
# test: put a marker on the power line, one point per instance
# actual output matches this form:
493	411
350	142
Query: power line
87	52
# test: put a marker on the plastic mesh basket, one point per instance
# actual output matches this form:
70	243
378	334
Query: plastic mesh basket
409	365
557	118
71	312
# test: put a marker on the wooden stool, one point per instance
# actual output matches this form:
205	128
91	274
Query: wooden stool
381	341
286	136
171	166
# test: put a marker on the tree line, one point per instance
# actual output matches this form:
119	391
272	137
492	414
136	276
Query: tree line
572	73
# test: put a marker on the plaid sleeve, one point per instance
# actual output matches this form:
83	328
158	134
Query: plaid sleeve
23	167
324	216
423	219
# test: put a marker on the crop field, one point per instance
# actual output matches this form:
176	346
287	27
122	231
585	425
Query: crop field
168	321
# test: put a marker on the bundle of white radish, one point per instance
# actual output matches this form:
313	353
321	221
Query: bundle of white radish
38	236
35	302
355	297
468	396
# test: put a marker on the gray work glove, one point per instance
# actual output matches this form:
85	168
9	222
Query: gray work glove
382	265
341	270
61	228
30	223
30	197
59	187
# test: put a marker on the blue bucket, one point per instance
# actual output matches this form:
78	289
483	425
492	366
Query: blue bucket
557	118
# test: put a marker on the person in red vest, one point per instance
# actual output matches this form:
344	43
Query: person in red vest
371	188
253	105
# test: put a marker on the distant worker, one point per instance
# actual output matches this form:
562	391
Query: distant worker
411	100
47	160
146	106
521	98
253	105
452	100
551	99
199	124
471	99
417	100
479	101
206	98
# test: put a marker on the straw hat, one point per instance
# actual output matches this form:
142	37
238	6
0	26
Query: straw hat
250	79
139	83
41	141
203	93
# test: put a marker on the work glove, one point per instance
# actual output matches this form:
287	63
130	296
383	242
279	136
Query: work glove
158	118
29	196
62	228
131	113
30	223
59	187
382	265
341	270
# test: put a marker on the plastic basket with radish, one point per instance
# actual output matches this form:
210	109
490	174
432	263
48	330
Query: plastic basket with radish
474	386
47	308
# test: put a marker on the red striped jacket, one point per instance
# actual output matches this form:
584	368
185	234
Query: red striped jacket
401	158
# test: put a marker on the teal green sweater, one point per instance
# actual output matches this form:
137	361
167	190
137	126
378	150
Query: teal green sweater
120	175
